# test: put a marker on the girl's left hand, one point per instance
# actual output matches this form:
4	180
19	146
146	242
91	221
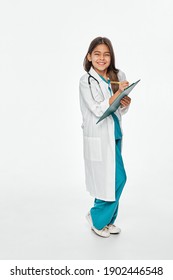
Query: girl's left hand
125	101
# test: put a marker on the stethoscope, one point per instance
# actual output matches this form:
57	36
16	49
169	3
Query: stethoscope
89	82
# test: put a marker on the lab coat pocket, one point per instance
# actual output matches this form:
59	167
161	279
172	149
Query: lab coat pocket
92	148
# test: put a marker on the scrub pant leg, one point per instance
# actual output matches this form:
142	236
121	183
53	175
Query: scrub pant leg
105	212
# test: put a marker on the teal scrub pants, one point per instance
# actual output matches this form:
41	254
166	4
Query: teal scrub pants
105	212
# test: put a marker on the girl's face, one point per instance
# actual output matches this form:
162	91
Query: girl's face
100	58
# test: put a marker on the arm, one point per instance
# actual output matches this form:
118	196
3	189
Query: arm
122	86
125	102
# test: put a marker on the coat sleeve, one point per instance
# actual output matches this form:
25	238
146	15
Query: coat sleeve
97	108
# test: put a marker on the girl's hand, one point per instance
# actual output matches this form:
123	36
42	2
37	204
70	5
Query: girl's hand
125	101
123	85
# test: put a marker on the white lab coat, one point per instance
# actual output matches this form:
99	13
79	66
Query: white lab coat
98	139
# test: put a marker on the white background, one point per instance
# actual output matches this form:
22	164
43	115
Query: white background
43	201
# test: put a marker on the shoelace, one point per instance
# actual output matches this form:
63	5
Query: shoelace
109	226
106	228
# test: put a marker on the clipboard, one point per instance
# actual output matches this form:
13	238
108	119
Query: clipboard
114	106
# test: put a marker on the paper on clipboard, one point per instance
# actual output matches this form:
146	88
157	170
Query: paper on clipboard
114	106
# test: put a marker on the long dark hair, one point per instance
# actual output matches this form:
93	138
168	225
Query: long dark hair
112	70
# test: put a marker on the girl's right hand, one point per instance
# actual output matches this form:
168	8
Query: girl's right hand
123	85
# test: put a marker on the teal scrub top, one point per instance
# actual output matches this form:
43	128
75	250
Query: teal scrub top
117	129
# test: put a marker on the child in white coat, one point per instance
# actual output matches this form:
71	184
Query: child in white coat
105	175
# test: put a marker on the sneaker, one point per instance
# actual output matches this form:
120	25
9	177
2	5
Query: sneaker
104	232
113	229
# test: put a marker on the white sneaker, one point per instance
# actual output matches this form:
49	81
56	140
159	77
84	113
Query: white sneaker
104	232
113	229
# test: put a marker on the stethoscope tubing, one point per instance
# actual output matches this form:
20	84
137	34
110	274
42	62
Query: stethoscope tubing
91	77
89	82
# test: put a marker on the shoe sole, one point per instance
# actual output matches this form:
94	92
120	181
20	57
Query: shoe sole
115	232
99	234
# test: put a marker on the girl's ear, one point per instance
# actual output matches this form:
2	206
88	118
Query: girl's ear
89	57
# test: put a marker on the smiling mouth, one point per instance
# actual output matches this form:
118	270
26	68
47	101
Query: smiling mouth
101	63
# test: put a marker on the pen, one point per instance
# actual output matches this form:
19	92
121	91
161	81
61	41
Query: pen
114	82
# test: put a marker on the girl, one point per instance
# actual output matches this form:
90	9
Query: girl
104	169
